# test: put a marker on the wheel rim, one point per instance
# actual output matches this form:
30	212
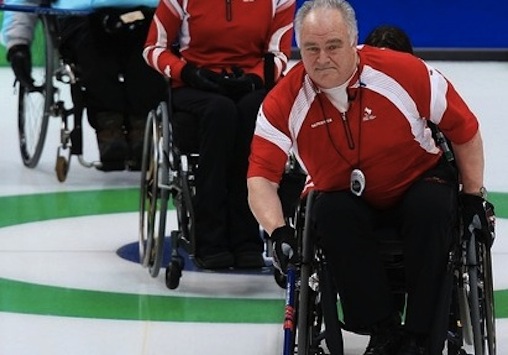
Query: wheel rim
147	181
34	107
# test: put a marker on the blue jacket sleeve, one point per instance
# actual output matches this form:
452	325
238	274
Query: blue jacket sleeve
18	27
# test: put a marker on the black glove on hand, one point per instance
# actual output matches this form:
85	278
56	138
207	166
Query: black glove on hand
200	78
237	83
21	62
478	217
285	249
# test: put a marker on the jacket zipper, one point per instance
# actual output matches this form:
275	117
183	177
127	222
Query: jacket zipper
229	11
347	130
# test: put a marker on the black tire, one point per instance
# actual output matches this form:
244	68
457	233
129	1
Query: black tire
490	313
154	196
146	224
480	301
174	273
159	208
34	107
310	335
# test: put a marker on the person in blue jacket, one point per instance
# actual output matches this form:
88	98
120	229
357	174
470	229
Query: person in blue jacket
119	87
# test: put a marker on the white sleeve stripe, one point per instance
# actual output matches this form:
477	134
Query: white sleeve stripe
174	6
282	4
397	95
438	103
266	130
162	36
274	45
301	107
299	110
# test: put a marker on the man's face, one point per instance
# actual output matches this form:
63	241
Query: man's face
327	53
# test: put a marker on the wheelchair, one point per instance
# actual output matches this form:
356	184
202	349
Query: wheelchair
50	96
58	91
312	325
167	171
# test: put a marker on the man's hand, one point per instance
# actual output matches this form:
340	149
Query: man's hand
237	83
285	249
21	62
478	217
200	78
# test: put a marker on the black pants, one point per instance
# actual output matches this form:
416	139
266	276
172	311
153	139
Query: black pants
224	221
425	218
110	65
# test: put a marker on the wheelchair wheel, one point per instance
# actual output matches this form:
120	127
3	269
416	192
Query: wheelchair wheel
153	197
310	337
145	222
173	274
176	264
303	317
478	316
34	106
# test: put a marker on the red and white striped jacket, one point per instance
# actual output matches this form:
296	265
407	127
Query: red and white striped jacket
219	34
384	132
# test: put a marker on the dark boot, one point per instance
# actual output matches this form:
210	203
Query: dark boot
135	137
386	337
222	260
111	140
414	345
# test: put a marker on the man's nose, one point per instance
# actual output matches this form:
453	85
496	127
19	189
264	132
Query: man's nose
323	57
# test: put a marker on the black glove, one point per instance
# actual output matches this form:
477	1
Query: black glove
200	78
285	249
21	62
237	83
478	217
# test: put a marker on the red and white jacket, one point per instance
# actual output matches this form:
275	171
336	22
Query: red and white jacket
219	34
384	132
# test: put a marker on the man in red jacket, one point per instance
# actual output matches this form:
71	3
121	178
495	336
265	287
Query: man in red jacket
356	119
217	74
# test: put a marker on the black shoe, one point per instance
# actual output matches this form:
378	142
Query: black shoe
134	165
223	260
112	153
383	344
385	338
413	345
249	260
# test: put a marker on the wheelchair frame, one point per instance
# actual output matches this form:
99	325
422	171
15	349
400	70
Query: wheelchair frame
312	326
36	106
165	172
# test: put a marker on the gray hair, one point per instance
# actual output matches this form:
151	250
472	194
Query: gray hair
343	6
